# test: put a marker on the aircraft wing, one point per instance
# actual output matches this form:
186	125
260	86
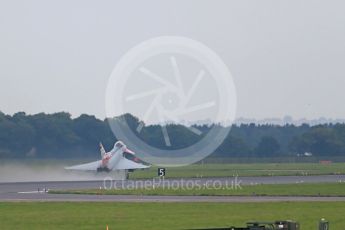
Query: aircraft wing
128	164
92	166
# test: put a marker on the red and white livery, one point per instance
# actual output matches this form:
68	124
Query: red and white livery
113	160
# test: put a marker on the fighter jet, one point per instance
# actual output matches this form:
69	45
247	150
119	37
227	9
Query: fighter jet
113	160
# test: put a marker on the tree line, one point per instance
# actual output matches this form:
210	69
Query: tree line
60	136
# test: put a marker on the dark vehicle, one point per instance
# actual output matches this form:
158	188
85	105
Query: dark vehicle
277	225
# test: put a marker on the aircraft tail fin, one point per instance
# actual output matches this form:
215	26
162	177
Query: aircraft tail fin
102	149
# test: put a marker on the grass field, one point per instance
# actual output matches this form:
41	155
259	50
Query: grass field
324	189
253	169
67	216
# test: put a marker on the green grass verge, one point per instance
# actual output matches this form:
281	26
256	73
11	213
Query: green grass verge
151	216
324	189
259	169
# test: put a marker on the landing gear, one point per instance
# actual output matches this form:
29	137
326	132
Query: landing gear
103	169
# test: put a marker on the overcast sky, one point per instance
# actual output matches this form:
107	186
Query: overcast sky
286	57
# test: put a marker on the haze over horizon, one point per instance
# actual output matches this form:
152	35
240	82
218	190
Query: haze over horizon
286	57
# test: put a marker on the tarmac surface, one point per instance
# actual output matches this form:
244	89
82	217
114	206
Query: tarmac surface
44	197
36	191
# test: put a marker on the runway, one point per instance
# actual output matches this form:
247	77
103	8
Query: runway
44	197
34	191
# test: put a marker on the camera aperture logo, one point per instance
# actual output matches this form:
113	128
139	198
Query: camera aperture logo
172	80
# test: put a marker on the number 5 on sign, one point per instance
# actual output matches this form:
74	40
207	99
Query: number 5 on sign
161	171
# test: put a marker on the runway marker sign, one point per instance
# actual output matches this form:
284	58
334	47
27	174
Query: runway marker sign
161	172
